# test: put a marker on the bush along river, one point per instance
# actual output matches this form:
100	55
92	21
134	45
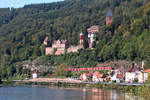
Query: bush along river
55	93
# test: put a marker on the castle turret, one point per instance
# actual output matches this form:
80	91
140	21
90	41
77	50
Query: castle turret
46	42
109	17
81	38
92	35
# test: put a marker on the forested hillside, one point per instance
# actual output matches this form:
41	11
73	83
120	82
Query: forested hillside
23	30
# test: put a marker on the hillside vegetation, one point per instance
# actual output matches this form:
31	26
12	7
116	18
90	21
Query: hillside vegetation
23	30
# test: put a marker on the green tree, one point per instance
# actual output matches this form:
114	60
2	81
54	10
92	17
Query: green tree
61	71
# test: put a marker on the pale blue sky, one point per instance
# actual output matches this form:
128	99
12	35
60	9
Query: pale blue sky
21	3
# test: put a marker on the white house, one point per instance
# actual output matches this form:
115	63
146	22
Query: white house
140	77
118	77
146	74
133	74
130	77
35	74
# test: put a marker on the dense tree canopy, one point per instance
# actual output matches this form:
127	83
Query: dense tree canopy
23	30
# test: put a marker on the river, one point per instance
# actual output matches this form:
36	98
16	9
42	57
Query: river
49	93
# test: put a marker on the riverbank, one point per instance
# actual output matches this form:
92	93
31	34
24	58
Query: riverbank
69	82
51	80
60	82
136	89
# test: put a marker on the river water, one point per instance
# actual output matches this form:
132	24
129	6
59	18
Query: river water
49	93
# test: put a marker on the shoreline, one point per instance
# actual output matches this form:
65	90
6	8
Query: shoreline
67	82
72	81
61	83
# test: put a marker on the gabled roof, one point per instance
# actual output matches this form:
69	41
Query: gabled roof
100	75
109	13
95	73
146	71
88	74
133	69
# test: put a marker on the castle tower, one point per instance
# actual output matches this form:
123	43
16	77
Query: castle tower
46	42
81	38
109	17
92	35
91	39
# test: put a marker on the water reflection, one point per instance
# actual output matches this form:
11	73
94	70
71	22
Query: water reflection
103	94
53	93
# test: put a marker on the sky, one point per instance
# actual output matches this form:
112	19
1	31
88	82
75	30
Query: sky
21	3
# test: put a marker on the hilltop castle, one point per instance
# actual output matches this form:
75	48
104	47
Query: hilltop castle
62	46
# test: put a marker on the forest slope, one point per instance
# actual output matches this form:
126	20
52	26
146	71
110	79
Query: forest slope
23	30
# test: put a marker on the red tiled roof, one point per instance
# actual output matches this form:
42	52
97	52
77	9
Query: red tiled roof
100	75
88	74
119	75
146	71
133	69
95	73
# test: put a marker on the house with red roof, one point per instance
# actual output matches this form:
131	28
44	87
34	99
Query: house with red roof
147	71
85	76
97	77
117	77
135	73
146	74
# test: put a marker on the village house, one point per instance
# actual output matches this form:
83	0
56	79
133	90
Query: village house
146	74
85	76
35	74
117	77
134	74
97	77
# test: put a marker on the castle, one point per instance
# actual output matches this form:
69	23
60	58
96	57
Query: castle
62	46
109	17
92	34
94	29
